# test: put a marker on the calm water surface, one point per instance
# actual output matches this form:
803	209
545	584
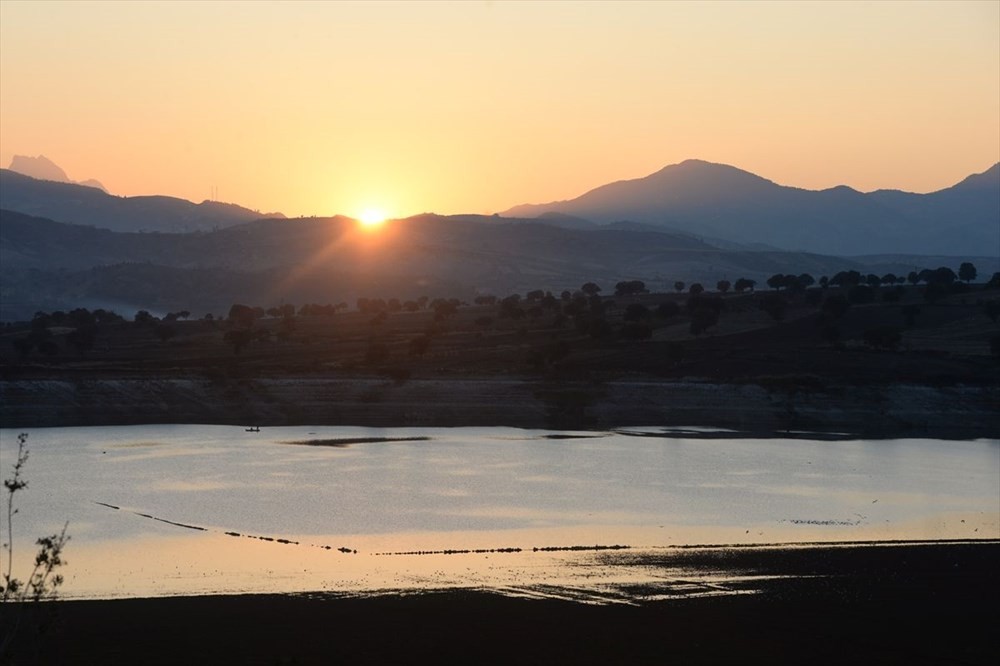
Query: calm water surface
150	507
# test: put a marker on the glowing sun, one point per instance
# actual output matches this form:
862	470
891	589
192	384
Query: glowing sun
371	217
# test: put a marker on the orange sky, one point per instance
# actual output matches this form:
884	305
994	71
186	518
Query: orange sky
323	108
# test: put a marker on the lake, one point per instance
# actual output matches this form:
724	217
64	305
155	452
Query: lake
197	509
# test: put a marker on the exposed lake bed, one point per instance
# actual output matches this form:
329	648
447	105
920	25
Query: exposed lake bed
898	604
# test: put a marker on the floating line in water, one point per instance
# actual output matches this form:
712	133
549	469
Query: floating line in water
287	542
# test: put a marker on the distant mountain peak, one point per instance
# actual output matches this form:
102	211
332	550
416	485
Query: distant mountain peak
90	182
43	168
695	162
702	169
39	167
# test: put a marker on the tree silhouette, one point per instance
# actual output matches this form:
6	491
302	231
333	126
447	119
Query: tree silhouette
241	315
967	272
722	286
630	288
590	288
846	279
679	286
510	307
143	318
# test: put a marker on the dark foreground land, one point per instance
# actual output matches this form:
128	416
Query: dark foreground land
902	604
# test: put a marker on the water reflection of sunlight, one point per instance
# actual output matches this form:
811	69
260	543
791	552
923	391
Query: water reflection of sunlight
465	488
211	563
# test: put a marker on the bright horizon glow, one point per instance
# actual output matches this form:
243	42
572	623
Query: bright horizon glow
478	107
371	218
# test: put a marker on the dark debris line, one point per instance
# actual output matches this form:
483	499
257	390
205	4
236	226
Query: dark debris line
352	551
342	549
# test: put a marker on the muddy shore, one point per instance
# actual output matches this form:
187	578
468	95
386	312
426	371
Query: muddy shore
905	604
774	408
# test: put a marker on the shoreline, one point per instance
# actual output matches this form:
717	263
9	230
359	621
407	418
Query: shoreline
779	408
909	604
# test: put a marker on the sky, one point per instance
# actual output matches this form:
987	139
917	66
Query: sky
320	108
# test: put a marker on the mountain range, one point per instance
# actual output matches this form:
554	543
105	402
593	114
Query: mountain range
80	204
721	201
721	204
64	245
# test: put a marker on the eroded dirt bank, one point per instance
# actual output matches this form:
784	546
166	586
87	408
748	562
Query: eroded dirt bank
955	412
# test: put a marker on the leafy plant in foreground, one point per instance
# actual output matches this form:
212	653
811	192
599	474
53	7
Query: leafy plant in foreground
43	582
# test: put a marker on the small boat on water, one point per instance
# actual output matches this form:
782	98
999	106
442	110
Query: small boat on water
254	429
